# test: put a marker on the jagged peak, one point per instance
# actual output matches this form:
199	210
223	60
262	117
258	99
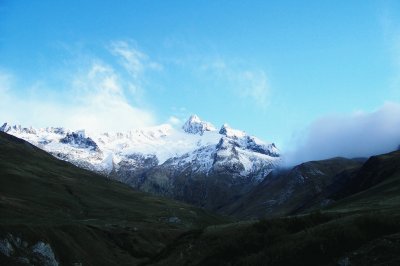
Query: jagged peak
194	119
5	127
194	125
18	128
226	130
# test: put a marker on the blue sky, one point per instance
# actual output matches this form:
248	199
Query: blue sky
272	68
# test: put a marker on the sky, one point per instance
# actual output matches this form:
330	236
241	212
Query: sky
309	77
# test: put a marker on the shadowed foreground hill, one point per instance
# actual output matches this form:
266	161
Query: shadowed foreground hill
53	212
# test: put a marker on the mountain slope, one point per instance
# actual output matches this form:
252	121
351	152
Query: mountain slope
164	160
52	211
289	191
320	184
361	228
375	186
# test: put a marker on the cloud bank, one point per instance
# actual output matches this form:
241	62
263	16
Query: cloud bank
360	134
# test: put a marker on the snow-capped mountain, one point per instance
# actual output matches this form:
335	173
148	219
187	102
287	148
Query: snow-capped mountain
152	157
194	125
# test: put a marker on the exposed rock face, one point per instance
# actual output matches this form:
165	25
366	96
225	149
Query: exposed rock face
269	149
5	127
131	169
24	253
211	176
78	139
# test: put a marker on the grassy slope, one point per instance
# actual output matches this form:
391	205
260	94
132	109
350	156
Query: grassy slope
85	217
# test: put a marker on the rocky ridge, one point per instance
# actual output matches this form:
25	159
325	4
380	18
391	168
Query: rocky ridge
178	163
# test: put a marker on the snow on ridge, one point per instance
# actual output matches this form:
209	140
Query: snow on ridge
194	125
231	133
199	147
163	141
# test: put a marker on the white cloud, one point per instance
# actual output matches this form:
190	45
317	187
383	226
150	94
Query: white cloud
94	100
132	59
104	106
136	64
178	116
360	134
173	120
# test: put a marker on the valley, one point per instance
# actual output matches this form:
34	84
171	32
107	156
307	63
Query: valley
329	212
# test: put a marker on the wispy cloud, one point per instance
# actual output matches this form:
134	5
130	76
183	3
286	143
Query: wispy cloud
178	115
135	62
132	59
96	98
360	134
109	93
254	85
246	83
175	121
104	105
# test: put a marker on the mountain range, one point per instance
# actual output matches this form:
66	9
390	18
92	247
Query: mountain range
196	163
54	213
338	211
